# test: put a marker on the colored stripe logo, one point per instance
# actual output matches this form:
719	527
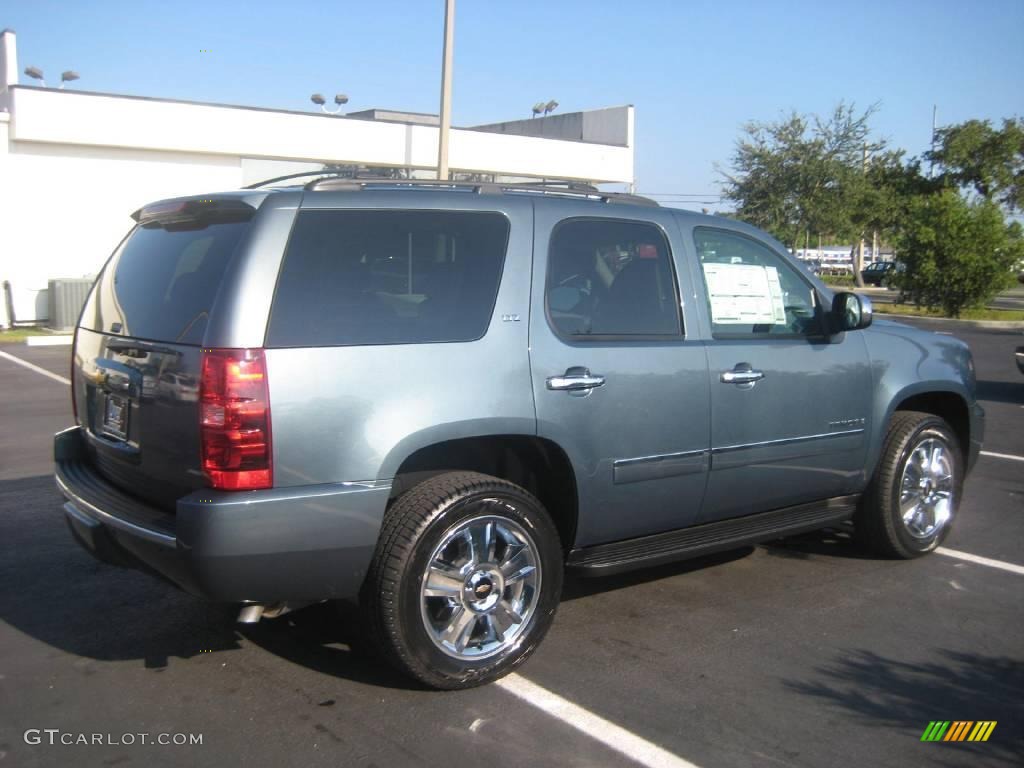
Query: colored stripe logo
958	730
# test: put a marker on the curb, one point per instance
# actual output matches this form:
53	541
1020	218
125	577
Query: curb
50	341
990	324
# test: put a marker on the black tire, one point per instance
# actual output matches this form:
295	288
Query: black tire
878	522
414	527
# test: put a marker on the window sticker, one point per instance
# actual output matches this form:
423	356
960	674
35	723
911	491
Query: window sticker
744	294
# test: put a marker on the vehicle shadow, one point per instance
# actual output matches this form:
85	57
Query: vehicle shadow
837	541
955	686
327	638
578	586
56	593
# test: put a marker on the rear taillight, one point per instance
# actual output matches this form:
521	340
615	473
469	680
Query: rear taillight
234	419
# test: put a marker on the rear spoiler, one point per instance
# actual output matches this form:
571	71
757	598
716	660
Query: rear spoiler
194	210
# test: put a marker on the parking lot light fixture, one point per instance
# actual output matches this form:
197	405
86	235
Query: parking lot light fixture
36	74
339	98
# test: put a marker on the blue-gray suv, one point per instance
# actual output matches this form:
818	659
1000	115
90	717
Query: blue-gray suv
433	399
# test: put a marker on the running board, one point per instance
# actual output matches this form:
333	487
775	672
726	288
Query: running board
606	559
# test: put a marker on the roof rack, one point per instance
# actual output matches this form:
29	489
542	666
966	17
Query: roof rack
267	182
553	188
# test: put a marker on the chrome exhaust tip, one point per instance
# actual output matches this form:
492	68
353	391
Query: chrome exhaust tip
250	614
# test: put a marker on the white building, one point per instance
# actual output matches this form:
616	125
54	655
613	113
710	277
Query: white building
74	164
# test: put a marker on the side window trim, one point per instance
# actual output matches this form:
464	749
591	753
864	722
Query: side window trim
819	330
678	335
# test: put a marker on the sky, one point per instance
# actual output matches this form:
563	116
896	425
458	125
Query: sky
695	71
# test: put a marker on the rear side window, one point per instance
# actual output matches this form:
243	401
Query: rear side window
388	277
608	277
162	282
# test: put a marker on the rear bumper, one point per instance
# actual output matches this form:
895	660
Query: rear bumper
284	544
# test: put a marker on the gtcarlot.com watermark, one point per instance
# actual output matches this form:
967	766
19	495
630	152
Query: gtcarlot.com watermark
55	736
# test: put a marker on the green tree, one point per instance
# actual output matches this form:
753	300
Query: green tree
878	200
807	175
958	253
987	160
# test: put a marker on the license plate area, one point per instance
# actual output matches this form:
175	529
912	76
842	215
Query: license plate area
115	416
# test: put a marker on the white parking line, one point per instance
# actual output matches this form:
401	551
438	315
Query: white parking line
1009	456
36	368
596	727
1018	569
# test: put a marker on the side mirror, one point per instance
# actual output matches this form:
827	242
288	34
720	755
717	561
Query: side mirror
850	312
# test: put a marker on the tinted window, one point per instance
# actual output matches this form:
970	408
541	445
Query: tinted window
611	278
162	282
388	277
752	290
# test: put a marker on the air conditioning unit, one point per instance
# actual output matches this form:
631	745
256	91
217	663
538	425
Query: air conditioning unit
66	299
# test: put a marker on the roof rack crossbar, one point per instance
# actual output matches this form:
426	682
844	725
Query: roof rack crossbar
341	181
356	183
289	176
553	188
574	189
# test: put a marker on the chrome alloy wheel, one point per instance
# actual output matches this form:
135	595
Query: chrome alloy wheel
480	587
927	488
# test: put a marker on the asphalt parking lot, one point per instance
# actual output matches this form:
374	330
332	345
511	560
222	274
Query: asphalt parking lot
798	653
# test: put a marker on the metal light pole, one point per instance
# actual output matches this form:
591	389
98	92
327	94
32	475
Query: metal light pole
446	91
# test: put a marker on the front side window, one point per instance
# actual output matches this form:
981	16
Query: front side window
608	277
751	290
355	277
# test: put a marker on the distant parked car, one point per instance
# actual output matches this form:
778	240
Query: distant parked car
875	274
1019	354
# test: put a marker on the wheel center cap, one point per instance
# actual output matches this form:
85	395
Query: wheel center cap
482	589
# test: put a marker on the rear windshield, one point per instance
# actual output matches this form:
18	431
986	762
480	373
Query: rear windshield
388	277
162	282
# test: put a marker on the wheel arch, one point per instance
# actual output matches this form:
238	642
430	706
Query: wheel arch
537	464
938	399
946	404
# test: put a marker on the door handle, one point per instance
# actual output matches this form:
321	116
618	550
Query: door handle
575	379
743	375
